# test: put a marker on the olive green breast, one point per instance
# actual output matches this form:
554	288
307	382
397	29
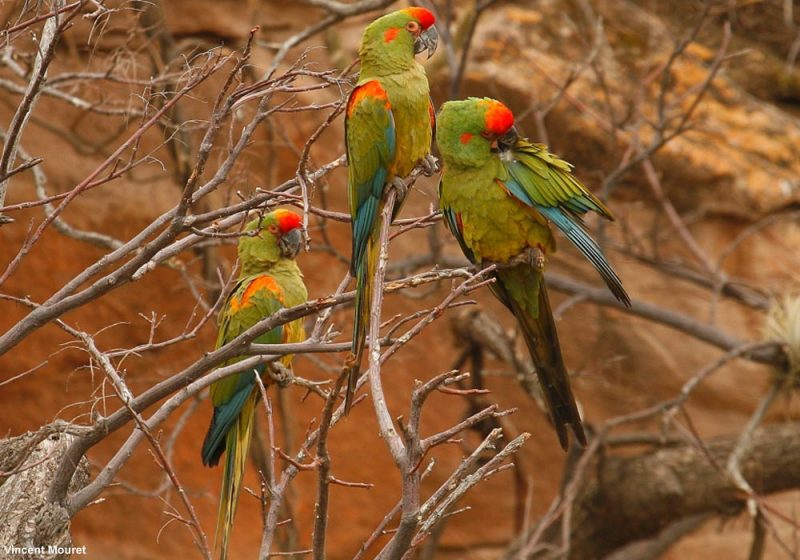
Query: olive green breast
289	277
496	227
409	96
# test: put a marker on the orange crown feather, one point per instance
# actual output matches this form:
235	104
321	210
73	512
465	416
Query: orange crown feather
423	16
499	118
288	220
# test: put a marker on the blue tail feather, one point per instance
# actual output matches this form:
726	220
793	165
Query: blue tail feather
225	416
578	236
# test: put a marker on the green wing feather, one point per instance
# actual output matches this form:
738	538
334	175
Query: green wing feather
238	316
452	220
546	183
234	397
548	180
371	142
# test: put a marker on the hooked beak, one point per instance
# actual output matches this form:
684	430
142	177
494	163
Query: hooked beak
427	40
508	140
290	243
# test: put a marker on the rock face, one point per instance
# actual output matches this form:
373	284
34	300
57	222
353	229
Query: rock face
732	176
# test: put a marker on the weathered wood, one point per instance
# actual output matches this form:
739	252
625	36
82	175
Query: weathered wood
28	521
626	499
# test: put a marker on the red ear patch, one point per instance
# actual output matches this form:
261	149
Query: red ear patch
423	16
287	220
390	34
499	118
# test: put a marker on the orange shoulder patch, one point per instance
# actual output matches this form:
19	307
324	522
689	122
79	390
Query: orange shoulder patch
261	283
369	90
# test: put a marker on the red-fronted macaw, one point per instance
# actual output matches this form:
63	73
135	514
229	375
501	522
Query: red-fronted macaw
498	195
269	280
389	126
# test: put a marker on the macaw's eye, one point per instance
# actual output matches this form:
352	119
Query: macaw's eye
413	26
273	229
486	134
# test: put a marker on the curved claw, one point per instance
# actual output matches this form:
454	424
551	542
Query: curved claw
280	374
430	165
400	186
532	256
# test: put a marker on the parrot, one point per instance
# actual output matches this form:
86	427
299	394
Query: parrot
389	125
269	280
498	195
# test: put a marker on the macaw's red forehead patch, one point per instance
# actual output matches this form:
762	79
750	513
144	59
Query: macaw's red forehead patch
287	220
423	16
499	118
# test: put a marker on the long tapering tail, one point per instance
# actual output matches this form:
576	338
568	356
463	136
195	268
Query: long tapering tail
365	272
541	338
237	444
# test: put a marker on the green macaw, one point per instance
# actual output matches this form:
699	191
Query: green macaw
498	195
269	280
389	125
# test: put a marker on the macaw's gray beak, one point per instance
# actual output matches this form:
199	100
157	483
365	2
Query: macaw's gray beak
427	40
508	140
290	243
